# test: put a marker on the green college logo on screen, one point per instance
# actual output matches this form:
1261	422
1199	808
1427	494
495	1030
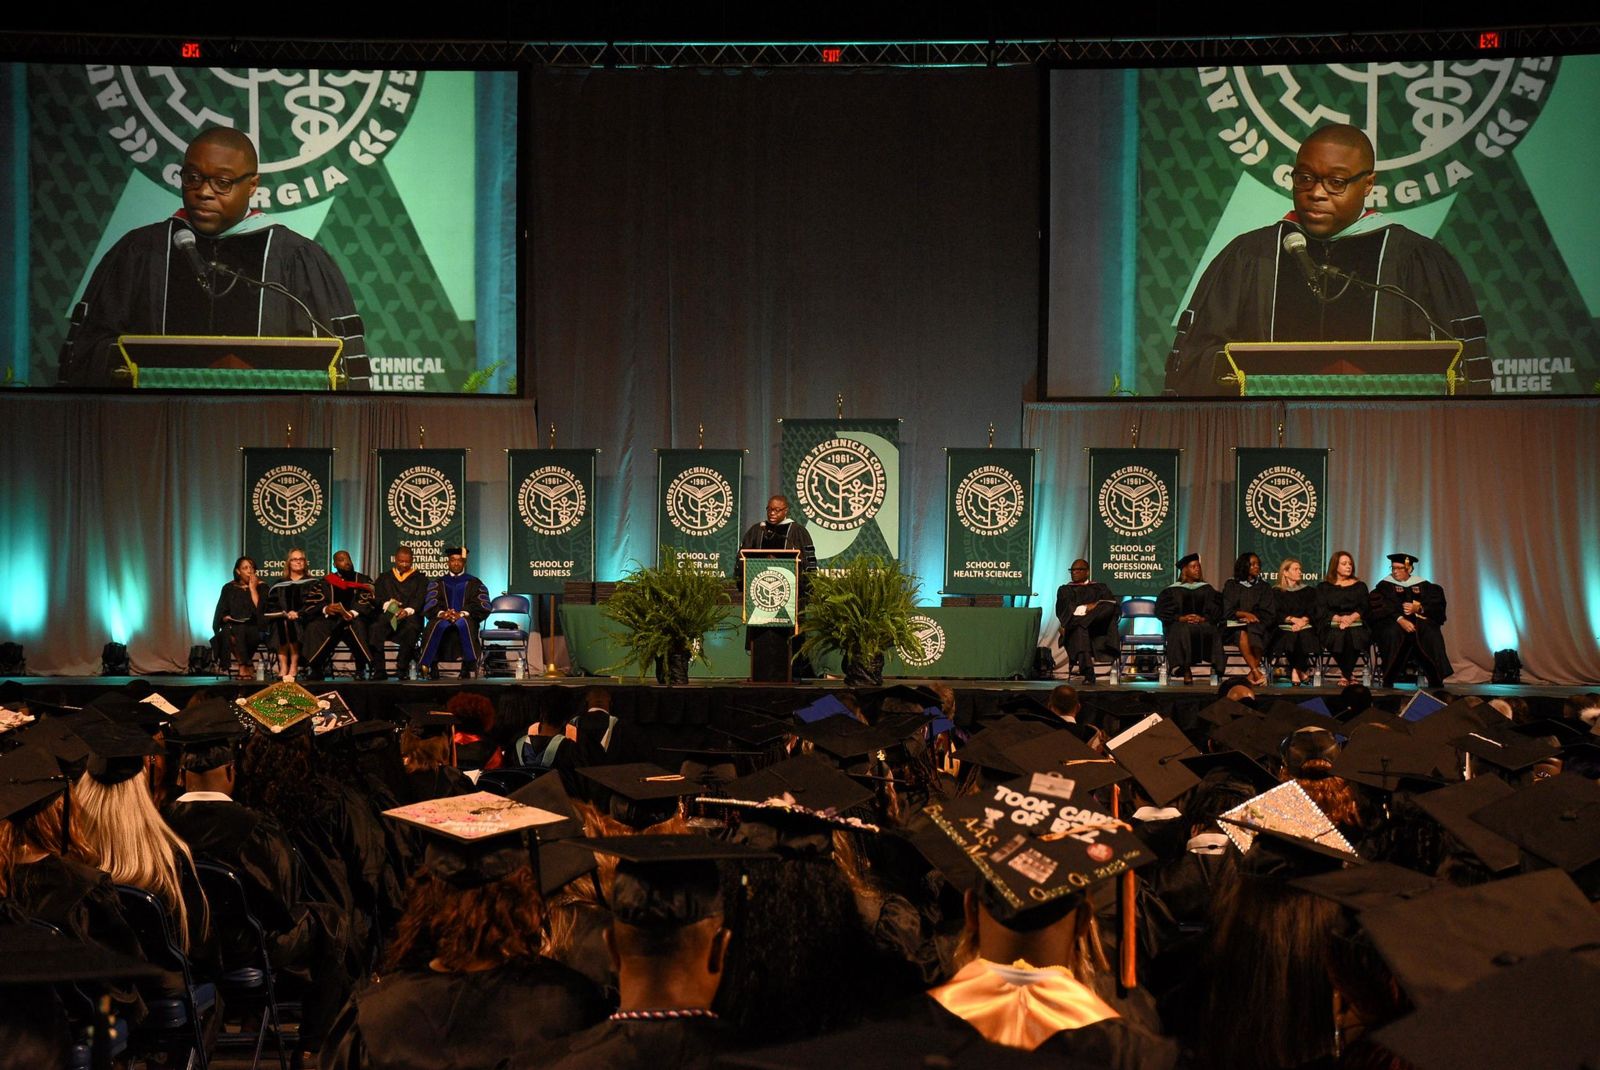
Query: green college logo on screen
315	130
1432	122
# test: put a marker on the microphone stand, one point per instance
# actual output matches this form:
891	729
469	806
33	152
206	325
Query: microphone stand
280	288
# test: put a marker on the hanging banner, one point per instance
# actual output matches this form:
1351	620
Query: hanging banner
1133	533
1281	509
288	502
551	519
842	478
988	521
422	504
698	511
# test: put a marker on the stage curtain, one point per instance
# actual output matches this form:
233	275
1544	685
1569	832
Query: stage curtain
1499	499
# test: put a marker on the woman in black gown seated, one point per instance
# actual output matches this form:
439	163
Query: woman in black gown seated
1295	631
1342	605
1248	613
237	621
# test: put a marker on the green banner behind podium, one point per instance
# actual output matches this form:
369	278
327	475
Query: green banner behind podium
842	478
288	502
1133	527
422	504
988	521
698	506
551	517
1281	509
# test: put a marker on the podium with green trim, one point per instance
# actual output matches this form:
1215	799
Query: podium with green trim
771	611
229	362
1366	369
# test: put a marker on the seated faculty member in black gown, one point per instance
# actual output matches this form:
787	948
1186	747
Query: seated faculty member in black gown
237	622
1088	614
346	615
1343	604
1248	613
1408	618
144	285
1190	612
400	594
1294	632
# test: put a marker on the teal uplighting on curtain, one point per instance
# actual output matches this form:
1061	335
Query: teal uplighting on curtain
496	116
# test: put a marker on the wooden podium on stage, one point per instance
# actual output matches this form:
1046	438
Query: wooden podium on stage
1311	369
771	612
229	362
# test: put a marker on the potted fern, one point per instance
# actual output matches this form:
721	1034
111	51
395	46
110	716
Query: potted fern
664	612
861	611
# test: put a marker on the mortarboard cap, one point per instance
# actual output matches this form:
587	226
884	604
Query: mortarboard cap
1563	731
807	784
848	739
1371	885
473	839
1255	736
640	781
1286	811
333	713
1285	855
1504	747
1316	704
117	752
55	735
1445	940
1389	761
29	775
1452	808
1457	719
123	708
1154	757
1062	753
1420	706
667	881
281	709
1402	559
546	792
205	723
1239	765
1556	820
1538	1011
1373	715
1224	710
825	707
988	747
426	719
560	863
1183	562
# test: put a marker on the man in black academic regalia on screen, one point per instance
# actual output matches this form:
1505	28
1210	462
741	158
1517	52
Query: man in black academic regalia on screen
146	284
1255	291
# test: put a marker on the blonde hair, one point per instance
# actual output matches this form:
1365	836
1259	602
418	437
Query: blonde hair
1285	563
116	828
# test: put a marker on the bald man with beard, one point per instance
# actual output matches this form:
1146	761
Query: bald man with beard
1254	292
144	285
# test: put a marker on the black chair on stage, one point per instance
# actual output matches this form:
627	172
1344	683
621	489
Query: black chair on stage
505	635
248	982
174	1023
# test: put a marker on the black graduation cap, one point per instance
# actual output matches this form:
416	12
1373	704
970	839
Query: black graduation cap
911	698
124	709
1238	764
1183	561
640	781
1373	715
548	793
1364	887
561	862
1061	753
988	747
117	752
1255	736
759	732
427	720
1028	707
29	775
715	762
1503	746
1224	710
807	784
1154	757
55	735
30	955
1402	558
205	723
474	839
1564	732
670	881
1452	807
1031	847
849	740
1447	939
1537	1011
820	710
1389	761
1557	820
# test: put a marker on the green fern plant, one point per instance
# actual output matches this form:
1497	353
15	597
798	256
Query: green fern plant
665	610
860	610
480	378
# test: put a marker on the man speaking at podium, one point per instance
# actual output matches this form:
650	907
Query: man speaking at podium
155	280
1261	289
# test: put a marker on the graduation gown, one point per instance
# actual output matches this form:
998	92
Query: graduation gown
1303	645
1427	641
1189	643
323	633
422	1020
1254	292
412	593
237	622
467	594
305	597
1094	631
675	1044
1249	596
144	286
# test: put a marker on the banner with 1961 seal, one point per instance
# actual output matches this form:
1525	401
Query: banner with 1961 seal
551	517
842	478
1281	509
1133	530
288	502
698	506
988	525
422	504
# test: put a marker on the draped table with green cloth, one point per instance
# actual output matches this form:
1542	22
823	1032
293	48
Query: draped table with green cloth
979	644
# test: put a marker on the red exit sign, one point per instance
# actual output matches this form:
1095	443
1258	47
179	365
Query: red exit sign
191	50
832	55
1489	39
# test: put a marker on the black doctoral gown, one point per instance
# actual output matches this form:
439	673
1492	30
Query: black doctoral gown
1253	596
1303	645
420	1020
1094	631
1189	643
144	286
1427	641
680	1044
1345	644
1254	292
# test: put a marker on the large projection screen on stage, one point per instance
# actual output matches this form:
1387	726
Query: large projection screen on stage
407	178
1152	173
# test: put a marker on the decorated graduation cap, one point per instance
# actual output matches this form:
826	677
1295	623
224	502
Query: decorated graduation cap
1536	1011
1362	887
1289	817
670	881
282	709
1447	939
29	776
1555	820
1452	807
333	713
1153	751
1030	847
474	839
